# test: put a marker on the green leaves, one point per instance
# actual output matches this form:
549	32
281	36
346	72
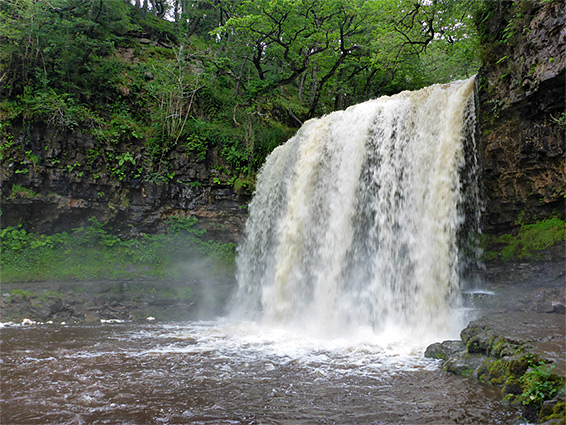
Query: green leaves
91	252
527	241
539	384
316	46
237	77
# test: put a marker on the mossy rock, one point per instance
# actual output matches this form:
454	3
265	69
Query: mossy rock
501	347
497	378
444	350
512	387
553	412
476	345
493	372
483	370
518	364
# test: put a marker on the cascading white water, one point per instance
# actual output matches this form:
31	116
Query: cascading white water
355	219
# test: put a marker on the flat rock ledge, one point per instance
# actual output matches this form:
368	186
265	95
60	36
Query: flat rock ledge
94	302
523	353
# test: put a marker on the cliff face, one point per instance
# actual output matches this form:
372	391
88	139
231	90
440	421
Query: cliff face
54	181
523	122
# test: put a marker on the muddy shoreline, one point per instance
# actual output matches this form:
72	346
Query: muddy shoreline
90	302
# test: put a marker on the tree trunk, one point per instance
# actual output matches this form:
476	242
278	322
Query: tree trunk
302	85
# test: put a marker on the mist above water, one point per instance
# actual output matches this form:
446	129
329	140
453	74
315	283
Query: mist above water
355	220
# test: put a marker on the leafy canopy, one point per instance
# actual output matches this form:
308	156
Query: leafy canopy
232	77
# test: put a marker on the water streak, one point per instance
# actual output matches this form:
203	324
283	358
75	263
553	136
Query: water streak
355	219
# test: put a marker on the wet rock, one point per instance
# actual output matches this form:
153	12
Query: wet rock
501	348
547	300
512	387
56	306
463	363
502	334
522	94
39	312
443	350
457	359
553	411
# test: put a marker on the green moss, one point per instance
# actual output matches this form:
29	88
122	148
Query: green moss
518	364
483	370
19	191
497	347
526	242
557	415
497	372
474	346
90	253
502	372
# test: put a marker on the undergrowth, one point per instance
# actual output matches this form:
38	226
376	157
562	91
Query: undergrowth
526	242
91	252
539	384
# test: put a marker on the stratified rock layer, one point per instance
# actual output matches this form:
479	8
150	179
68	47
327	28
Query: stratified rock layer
57	180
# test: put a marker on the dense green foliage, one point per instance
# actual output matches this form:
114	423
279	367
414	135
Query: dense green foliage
91	252
526	241
233	77
539	384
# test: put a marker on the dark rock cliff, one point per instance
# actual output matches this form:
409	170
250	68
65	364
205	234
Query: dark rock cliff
523	122
53	181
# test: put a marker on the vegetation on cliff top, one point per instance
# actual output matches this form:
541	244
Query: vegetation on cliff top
233	77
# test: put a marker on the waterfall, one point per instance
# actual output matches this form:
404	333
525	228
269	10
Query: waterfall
355	219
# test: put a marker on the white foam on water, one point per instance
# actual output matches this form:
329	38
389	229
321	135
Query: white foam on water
237	344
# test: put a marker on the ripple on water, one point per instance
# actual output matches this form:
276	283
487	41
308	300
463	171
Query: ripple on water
218	372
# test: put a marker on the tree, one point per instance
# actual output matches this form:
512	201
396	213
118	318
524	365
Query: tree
53	43
310	43
237	75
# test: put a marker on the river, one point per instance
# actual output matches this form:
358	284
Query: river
219	372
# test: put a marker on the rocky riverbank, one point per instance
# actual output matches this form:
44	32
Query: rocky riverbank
516	339
122	300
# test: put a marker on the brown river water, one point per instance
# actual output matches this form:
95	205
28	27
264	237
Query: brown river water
220	372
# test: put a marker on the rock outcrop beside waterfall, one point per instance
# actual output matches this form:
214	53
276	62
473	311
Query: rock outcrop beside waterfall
522	154
523	123
516	342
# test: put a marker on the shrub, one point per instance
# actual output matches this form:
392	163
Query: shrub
91	252
539	384
527	241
